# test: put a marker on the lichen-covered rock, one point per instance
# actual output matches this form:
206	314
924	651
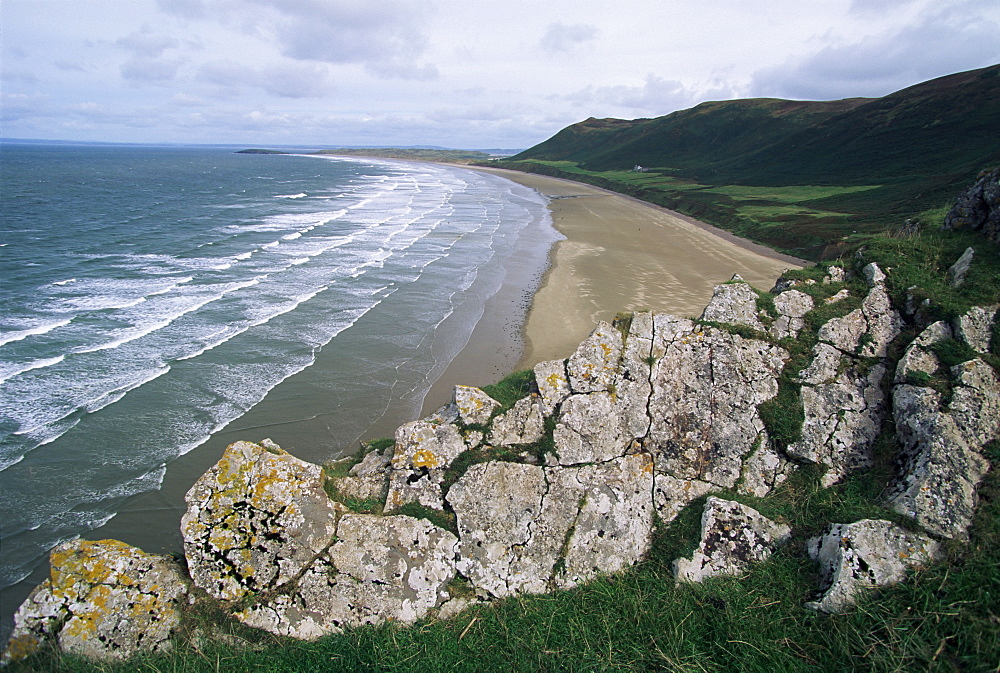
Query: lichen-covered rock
960	269
978	208
523	424
844	410
393	568
706	386
368	480
857	557
102	600
632	385
918	358
873	274
835	274
474	406
735	303
865	331
592	366
764	470
937	487
588	430
671	495
255	520
733	536
497	506
975	327
792	307
614	526
553	384
975	403
423	452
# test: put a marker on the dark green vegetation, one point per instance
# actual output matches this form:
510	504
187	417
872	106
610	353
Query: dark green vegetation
810	178
944	618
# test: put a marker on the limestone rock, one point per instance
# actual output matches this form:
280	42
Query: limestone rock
835	274
733	536
523	424
918	358
792	307
588	430
592	367
960	269
671	495
841	295
975	403
937	487
613	529
497	505
255	520
393	568
423	452
553	384
844	412
876	321
733	302
873	275
368	480
474	406
632	385
706	386
764	470
102	600
857	557
976	327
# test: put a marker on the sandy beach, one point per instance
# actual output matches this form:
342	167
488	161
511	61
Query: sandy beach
622	254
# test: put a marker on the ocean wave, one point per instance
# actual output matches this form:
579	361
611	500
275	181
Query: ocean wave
9	371
300	195
33	331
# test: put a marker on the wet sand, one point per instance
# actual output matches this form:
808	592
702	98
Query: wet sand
623	254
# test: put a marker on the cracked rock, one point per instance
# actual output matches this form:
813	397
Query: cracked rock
423	452
523	424
588	430
255	520
876	321
592	367
857	557
553	384
975	327
367	480
474	406
392	568
103	600
735	303
733	537
918	357
792	307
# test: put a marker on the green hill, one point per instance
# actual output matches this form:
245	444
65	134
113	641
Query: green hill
807	177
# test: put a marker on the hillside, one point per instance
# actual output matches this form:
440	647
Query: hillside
807	177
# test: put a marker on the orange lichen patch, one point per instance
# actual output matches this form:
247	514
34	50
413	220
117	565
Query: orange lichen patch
555	379
22	646
425	458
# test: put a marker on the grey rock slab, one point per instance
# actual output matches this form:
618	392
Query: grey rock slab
671	495
937	485
553	384
523	424
392	568
960	269
855	558
873	274
632	385
975	327
588	430
765	470
592	366
103	600
975	403
876	319
423	452
706	386
613	529
918	358
843	418
474	406
792	306
733	302
255	520
733	537
367	480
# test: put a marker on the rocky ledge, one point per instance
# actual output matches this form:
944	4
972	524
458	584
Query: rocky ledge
481	501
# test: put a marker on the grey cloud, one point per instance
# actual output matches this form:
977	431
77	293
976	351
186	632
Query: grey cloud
285	80
657	95
148	63
147	43
947	39
560	37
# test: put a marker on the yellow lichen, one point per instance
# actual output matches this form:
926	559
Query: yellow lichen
425	458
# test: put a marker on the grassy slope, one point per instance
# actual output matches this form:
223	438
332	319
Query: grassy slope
880	160
943	618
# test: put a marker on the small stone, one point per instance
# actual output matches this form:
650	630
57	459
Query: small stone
857	557
960	269
975	327
733	537
834	274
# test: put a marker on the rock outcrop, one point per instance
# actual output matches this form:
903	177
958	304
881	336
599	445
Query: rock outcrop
978	209
648	415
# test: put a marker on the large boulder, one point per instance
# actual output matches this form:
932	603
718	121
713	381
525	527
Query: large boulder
255	520
592	366
857	557
978	209
423	451
735	303
104	600
392	568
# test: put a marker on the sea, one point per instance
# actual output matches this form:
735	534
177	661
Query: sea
157	301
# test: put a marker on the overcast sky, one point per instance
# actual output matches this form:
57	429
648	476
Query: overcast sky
455	73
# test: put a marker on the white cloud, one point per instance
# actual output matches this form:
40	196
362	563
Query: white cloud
656	96
285	80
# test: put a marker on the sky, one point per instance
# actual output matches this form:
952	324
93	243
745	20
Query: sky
465	74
